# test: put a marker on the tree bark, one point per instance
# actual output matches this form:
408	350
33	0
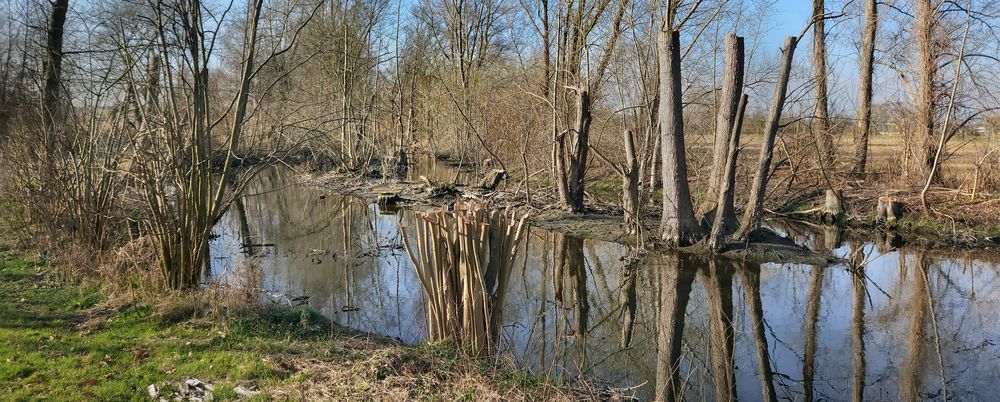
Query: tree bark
821	133
678	225
754	211
51	116
729	97
630	193
725	222
579	147
926	104
865	102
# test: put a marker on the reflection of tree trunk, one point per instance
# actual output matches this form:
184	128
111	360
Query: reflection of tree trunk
675	290
627	297
910	382
241	215
858	335
751	288
570	260
832	237
719	291
812	319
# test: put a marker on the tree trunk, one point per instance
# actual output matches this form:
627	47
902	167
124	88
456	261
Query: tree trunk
755	205
51	113
579	147
822	132
729	97
725	222
630	193
678	225
927	66
865	102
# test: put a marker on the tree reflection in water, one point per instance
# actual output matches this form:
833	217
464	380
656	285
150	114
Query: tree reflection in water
669	326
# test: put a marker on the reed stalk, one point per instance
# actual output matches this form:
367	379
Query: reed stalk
463	260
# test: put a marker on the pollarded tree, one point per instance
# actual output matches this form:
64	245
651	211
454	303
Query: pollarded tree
678	225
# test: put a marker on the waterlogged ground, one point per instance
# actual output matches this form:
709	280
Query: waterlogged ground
911	324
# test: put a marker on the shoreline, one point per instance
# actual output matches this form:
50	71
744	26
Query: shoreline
604	222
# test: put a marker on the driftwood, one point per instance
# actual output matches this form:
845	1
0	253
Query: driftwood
888	209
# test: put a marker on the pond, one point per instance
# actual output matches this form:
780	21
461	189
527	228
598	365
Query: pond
911	324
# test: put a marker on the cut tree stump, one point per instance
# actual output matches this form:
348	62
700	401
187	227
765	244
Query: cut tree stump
889	209
833	210
492	179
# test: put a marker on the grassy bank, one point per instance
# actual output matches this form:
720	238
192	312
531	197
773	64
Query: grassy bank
68	340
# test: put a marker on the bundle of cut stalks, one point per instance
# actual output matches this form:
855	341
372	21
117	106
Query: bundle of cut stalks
463	259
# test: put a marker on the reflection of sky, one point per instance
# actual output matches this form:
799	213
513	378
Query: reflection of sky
346	256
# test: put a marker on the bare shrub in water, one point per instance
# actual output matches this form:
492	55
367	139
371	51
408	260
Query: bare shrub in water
463	260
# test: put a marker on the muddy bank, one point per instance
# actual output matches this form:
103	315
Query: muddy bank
603	221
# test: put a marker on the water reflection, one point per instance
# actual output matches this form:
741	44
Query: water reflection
900	323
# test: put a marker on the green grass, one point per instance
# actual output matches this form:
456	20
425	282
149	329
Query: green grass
54	346
65	341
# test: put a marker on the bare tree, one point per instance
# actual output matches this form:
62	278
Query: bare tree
822	134
729	97
925	101
867	66
51	102
569	86
754	212
678	225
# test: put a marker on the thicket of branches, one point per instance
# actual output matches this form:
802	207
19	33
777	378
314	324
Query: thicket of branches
125	117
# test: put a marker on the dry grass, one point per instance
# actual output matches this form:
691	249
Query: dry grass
375	369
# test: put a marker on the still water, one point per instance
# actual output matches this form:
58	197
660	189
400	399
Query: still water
912	324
